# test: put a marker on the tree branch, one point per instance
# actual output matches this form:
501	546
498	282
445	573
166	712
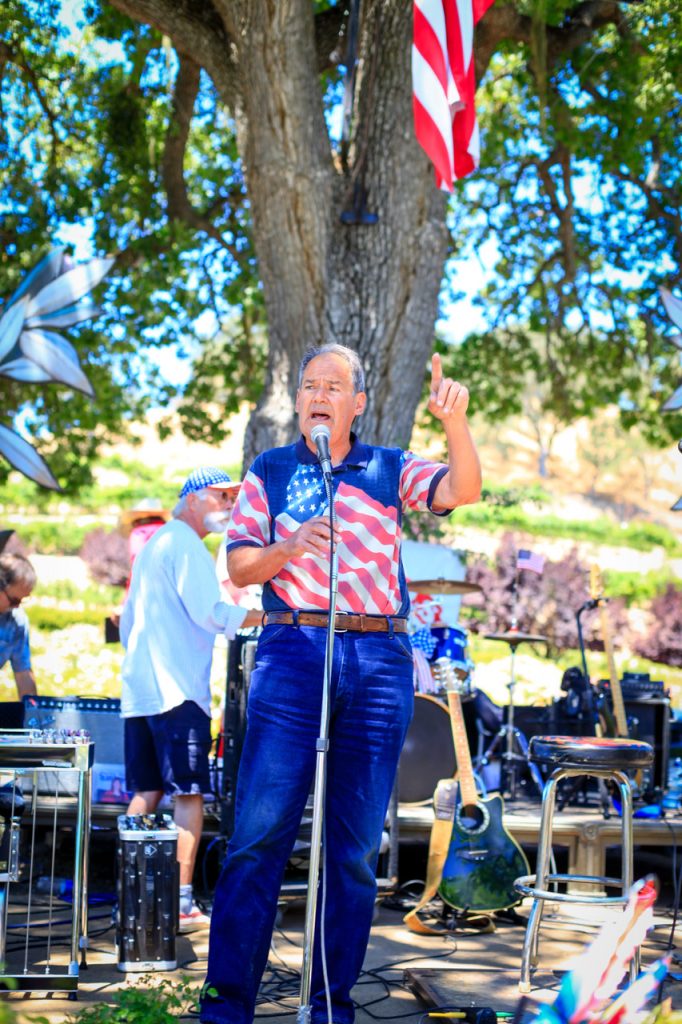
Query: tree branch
579	25
172	164
197	31
8	55
657	208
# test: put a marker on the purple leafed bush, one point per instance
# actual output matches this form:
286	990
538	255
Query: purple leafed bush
545	604
663	642
106	556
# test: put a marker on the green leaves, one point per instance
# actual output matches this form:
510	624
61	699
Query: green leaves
580	194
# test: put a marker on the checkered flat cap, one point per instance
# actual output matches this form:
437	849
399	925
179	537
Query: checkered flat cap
206	476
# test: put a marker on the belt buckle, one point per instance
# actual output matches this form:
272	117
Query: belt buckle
339	629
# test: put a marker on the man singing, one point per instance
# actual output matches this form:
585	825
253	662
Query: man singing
280	537
168	627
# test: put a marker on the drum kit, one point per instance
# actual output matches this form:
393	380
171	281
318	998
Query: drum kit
501	749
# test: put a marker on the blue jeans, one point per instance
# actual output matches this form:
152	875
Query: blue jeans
370	709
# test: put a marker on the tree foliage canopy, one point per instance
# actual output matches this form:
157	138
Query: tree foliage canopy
199	142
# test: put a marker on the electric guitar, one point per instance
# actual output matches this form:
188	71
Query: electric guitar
597	594
621	720
483	859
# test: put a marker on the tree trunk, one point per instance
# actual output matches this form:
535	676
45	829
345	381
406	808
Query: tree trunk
372	287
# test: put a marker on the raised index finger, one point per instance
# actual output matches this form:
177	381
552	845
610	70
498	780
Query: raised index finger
436	373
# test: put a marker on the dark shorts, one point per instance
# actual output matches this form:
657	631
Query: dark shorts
169	752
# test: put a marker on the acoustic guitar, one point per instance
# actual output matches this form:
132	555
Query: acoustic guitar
483	859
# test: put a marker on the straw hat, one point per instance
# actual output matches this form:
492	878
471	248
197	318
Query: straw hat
146	508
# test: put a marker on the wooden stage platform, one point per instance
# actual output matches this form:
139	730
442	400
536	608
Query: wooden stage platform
582	831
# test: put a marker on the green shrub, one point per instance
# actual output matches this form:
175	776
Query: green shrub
144	481
97	594
7	1014
152	1002
638	535
42	616
502	496
637	588
50	537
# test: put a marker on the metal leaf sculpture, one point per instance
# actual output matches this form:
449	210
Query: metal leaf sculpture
673	308
53	295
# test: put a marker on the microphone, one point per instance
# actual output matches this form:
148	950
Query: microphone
319	435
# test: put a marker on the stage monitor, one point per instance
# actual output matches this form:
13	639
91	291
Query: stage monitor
11	715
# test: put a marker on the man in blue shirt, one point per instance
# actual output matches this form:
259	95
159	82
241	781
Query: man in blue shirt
17	580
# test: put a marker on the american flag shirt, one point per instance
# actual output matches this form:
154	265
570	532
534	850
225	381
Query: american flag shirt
284	487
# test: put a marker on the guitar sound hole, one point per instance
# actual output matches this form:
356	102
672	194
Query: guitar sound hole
473	818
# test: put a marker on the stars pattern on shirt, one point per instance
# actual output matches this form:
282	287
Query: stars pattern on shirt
306	495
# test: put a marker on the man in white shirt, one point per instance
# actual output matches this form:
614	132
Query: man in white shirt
169	623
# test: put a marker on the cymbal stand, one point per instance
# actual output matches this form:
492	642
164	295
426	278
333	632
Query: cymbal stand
513	743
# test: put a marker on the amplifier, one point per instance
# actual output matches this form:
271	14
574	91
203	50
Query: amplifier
148	892
649	721
101	718
636	686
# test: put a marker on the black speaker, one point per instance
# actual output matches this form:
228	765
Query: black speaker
649	721
241	653
532	720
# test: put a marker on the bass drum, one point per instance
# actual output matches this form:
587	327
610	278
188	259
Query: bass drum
428	753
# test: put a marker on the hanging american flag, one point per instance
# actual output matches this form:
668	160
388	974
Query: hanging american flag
444	83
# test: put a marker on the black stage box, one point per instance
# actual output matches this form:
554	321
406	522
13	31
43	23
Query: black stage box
148	892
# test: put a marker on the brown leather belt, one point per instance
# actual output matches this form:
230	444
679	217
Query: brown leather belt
342	621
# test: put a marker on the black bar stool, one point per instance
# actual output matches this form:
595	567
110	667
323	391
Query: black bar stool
567	757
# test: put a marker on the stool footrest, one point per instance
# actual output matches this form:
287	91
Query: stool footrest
526	886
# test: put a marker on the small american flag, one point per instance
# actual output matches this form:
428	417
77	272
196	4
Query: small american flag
530	560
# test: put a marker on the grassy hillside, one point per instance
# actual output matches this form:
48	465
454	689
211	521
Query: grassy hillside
620	519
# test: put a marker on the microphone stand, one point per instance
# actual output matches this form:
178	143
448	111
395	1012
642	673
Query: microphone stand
321	747
590	605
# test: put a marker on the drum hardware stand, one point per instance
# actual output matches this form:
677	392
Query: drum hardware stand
512	741
322	747
510	737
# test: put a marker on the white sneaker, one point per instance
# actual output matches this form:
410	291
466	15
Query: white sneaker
193	921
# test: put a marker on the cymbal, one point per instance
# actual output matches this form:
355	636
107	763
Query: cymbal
513	637
442	586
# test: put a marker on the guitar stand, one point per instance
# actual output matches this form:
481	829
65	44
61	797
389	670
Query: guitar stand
510	915
462	920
